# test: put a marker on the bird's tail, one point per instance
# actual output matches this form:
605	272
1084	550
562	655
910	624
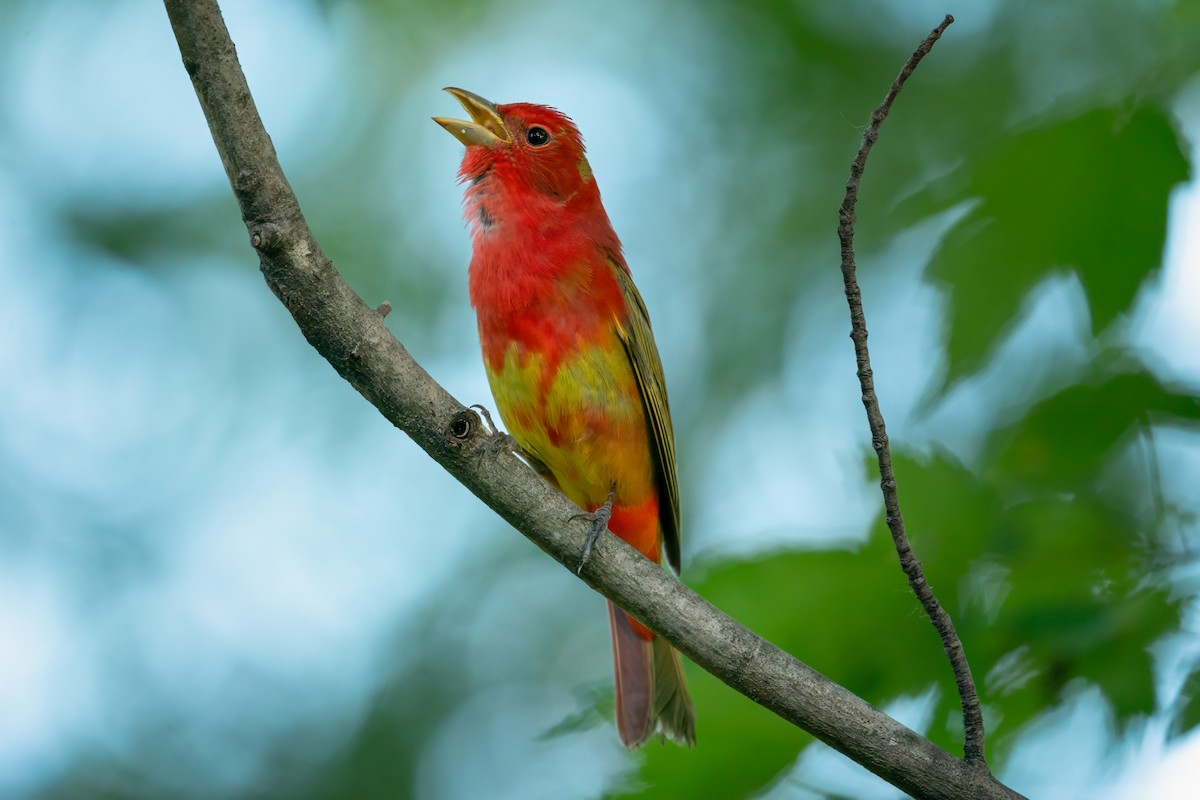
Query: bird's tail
652	696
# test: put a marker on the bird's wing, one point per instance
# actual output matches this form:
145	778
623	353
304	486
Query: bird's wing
647	368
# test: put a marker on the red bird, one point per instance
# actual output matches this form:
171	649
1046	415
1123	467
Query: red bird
572	364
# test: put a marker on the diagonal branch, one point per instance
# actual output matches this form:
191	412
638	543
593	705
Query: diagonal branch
972	718
355	341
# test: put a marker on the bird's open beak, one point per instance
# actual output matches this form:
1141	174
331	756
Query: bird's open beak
486	127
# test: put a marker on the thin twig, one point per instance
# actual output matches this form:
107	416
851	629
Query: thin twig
973	751
352	336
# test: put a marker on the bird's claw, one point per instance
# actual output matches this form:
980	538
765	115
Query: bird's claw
600	519
503	443
487	417
498	441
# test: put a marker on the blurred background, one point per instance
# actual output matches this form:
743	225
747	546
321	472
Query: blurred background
223	574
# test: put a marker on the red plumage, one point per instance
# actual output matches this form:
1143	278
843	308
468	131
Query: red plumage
572	363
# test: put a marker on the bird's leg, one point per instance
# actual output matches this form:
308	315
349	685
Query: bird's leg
600	518
498	441
487	417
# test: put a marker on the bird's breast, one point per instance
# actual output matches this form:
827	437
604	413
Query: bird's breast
571	399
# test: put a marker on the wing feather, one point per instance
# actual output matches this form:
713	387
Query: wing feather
638	340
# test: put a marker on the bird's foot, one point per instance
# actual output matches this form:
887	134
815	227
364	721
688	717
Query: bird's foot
487	417
600	519
498	441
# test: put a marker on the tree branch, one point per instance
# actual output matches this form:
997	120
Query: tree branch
973	750
353	338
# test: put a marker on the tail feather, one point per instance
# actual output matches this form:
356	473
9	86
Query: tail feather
651	694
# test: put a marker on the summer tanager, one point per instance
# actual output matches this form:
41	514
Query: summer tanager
572	364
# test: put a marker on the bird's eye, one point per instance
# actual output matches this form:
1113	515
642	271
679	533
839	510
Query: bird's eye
537	136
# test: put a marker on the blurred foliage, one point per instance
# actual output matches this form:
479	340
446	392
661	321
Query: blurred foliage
1063	196
1053	147
1189	714
150	237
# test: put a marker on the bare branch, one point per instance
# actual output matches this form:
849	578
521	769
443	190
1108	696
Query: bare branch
973	750
353	338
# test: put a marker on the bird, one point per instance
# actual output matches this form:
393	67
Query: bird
573	367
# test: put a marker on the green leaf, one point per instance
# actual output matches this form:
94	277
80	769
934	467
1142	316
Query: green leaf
1065	439
1187	718
1086	195
594	707
1080	604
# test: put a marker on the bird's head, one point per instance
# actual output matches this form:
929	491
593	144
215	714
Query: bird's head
525	146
